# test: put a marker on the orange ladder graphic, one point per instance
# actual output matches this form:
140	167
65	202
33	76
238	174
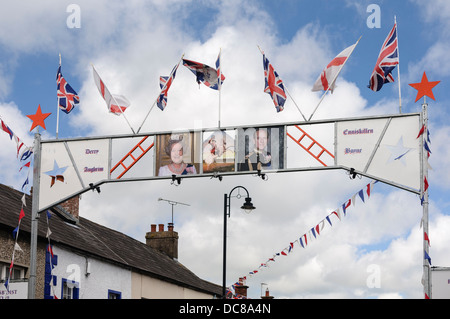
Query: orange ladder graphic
308	148
135	159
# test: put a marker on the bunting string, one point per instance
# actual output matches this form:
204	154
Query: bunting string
340	212
23	154
425	134
306	238
50	250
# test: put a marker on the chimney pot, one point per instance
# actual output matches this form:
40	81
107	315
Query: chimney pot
170	227
153	228
161	227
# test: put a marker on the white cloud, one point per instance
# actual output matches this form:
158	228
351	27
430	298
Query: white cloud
138	43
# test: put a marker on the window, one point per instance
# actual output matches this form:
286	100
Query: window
70	289
18	272
114	294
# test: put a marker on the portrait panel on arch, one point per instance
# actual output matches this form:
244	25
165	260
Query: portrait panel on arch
177	154
261	148
218	151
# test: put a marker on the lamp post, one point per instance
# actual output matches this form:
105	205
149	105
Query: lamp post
247	207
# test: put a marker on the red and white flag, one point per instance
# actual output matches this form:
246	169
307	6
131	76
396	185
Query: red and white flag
117	104
327	79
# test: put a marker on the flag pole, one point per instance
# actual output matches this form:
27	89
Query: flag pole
398	69
220	83
123	114
154	103
57	105
151	108
334	79
294	102
262	52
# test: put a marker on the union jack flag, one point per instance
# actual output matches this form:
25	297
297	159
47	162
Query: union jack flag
67	97
273	85
387	61
7	130
165	82
219	72
206	74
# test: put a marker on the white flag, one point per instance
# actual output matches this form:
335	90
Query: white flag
327	79
117	104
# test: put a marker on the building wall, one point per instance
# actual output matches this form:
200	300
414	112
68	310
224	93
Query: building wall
151	288
22	259
102	276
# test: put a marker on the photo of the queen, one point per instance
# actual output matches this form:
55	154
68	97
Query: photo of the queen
175	154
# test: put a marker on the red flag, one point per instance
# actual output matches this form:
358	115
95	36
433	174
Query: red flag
425	184
26	165
336	213
50	250
421	131
425	237
22	214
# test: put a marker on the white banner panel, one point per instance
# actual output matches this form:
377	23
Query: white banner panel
91	159
69	167
386	148
356	141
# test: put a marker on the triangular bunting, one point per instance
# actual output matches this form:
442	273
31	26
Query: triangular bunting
425	182
361	195
425	237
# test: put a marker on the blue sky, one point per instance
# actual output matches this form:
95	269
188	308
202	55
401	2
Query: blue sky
131	44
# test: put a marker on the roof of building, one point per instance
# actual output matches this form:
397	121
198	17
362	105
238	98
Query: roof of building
100	241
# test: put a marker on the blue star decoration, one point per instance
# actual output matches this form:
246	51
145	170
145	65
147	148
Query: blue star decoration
398	152
56	174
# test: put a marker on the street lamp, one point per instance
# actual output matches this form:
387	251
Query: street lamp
247	207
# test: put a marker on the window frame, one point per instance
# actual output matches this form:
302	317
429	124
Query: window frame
74	290
115	293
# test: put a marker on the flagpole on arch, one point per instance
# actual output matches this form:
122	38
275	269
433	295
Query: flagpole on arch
118	105
57	105
398	68
335	77
162	89
219	81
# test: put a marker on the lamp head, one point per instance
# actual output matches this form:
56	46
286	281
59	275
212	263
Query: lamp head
248	205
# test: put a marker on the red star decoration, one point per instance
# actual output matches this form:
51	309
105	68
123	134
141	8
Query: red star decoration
38	118
424	87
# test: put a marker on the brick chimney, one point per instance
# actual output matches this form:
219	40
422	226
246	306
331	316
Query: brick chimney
267	296
242	288
72	206
163	241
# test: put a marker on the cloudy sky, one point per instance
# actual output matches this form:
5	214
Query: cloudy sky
132	43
